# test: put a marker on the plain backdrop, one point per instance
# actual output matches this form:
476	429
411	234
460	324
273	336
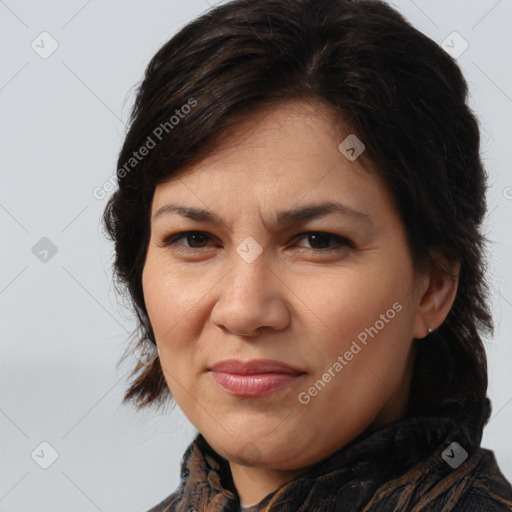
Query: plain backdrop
67	78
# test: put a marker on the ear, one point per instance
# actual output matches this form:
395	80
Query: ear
438	296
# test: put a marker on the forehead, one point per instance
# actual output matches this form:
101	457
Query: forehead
286	154
292	128
278	137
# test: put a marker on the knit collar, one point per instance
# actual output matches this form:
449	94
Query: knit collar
350	475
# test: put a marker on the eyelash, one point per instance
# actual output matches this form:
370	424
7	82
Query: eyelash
341	241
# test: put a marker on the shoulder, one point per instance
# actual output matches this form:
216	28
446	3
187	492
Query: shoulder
167	505
477	485
489	489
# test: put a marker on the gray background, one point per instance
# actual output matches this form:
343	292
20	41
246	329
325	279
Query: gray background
62	330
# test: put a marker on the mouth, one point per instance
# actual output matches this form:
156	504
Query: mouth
254	378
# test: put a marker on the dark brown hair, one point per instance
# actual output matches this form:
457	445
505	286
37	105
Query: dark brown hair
402	95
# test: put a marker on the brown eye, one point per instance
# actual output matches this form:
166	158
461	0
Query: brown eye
194	239
320	241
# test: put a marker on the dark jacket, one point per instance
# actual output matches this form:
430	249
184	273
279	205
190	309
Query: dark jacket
417	464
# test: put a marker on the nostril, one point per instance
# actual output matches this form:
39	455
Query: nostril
240	334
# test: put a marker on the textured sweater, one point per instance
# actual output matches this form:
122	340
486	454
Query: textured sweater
417	464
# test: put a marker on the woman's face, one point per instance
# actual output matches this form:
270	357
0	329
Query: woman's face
339	305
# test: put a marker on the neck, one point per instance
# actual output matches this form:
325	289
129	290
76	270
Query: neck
254	483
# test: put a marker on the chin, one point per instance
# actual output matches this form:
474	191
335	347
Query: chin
253	449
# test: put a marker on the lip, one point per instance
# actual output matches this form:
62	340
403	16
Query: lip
254	367
257	377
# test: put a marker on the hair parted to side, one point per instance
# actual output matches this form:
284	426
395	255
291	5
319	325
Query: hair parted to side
402	95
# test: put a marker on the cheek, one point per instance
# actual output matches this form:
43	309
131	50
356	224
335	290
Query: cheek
167	305
367	321
363	368
170	296
350	302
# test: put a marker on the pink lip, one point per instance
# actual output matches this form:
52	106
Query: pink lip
258	377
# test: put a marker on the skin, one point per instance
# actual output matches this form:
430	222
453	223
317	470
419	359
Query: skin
296	302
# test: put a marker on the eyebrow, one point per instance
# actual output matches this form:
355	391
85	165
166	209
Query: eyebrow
300	214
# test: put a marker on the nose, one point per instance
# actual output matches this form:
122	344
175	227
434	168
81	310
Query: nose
251	297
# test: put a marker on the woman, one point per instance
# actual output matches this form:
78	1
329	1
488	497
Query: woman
298	227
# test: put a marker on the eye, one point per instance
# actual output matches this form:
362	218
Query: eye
322	242
319	241
195	239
